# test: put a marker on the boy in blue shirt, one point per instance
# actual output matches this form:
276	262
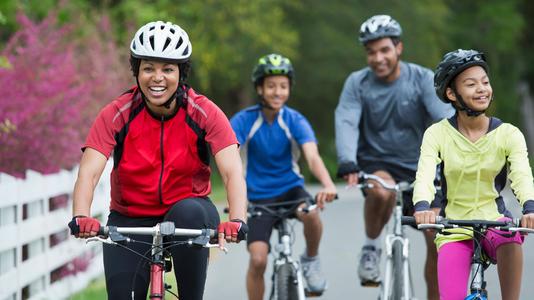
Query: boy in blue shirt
271	137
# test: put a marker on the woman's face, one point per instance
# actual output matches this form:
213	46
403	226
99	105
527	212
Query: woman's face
158	80
474	87
275	91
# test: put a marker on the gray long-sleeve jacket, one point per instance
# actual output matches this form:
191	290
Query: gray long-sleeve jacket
381	121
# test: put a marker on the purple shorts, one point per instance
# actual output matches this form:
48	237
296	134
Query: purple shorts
494	240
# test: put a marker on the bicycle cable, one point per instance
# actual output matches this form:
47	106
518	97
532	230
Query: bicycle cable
137	268
132	286
479	245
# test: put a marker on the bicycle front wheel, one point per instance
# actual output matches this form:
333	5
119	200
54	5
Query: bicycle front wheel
286	283
398	271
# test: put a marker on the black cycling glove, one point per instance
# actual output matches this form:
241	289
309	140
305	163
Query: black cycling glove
346	168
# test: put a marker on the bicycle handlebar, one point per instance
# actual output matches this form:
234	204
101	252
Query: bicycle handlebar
281	209
442	223
257	209
114	234
105	231
399	187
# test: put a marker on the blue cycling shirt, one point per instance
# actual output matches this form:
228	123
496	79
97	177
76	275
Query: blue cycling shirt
270	152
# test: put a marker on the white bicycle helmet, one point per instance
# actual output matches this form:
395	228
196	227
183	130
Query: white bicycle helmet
379	26
161	40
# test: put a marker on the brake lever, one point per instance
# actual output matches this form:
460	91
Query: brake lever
99	239
209	245
308	209
204	242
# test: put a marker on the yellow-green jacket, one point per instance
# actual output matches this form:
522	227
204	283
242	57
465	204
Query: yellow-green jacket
473	174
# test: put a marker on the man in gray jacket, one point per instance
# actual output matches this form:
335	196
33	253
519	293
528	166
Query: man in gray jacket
382	114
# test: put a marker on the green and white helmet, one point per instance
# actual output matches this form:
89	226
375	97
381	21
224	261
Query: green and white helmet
272	64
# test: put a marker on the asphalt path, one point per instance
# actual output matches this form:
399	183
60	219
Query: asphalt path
342	239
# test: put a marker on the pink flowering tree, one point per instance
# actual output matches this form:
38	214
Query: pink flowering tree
53	85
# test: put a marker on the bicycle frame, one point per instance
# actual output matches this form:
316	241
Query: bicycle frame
283	250
283	254
114	235
397	235
394	237
478	283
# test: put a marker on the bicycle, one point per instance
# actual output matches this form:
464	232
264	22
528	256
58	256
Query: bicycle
479	262
159	259
397	282
287	279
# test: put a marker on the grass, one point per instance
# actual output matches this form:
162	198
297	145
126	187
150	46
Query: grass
95	290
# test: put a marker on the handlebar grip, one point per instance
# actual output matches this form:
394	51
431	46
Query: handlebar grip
104	230
408	221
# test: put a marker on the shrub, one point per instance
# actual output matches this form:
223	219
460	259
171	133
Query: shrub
53	85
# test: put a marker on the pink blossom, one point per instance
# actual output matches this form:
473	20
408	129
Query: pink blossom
55	85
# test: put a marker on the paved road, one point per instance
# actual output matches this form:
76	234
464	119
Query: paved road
342	239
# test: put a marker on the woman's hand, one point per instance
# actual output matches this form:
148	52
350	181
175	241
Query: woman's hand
84	227
232	231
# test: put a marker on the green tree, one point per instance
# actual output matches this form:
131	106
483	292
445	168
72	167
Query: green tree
227	36
493	27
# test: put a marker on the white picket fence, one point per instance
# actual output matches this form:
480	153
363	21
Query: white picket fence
38	259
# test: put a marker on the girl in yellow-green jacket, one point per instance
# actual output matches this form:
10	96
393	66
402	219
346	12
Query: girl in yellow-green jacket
478	154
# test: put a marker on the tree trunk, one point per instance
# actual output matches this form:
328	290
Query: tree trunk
527	114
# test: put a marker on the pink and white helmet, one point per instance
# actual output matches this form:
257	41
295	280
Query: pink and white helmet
162	41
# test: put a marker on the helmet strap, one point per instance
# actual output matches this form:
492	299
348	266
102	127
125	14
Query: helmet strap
463	106
261	100
266	105
178	94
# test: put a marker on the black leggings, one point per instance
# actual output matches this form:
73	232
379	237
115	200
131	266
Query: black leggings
190	264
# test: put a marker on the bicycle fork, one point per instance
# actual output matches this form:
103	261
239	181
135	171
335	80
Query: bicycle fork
390	261
284	250
298	280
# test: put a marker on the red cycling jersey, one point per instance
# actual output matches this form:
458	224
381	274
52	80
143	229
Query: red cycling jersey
159	162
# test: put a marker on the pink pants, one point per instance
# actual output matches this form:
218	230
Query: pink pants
454	263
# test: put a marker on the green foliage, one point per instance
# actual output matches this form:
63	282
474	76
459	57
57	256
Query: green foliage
4	63
227	37
494	27
95	290
319	36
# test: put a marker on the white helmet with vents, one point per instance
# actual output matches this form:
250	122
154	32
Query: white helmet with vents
161	40
379	26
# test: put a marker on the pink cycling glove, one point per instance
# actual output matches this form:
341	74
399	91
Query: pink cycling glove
234	228
83	224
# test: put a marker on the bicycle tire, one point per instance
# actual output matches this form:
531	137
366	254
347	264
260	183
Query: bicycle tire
286	286
398	271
